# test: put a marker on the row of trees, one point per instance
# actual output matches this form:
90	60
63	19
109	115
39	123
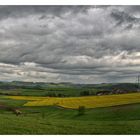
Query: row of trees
82	93
53	94
87	93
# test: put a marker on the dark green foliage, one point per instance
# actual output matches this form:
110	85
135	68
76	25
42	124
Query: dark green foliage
51	94
81	110
85	93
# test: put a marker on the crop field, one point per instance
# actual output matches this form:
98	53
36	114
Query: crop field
75	102
109	114
60	113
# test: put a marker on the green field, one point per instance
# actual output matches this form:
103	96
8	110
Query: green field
57	91
120	119
51	120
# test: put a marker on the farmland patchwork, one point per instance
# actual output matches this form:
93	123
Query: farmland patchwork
75	102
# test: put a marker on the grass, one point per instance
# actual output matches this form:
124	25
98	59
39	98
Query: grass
21	125
123	118
110	120
11	103
75	102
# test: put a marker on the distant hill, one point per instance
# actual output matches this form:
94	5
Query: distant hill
128	87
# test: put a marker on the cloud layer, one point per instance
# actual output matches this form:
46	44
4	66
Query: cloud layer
81	44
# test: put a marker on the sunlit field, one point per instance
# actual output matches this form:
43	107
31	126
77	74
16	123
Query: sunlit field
75	102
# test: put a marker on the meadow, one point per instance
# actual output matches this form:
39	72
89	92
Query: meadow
52	120
44	114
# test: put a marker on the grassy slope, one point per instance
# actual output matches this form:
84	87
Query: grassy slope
52	120
11	103
123	119
27	125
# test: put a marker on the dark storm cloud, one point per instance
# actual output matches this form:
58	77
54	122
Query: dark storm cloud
132	9
21	11
85	44
123	17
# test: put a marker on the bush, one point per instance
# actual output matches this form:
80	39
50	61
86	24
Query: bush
60	95
81	110
84	93
51	94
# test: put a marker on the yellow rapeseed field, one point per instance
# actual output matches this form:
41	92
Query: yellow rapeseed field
75	102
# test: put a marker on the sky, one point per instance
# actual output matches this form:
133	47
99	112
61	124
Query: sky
79	44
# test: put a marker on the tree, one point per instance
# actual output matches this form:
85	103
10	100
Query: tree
81	110
84	93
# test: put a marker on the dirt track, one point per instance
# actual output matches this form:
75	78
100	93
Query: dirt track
14	110
5	107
